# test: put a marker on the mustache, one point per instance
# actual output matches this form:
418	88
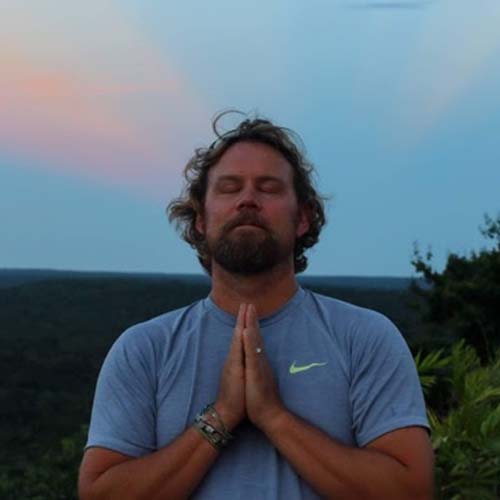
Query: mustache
244	218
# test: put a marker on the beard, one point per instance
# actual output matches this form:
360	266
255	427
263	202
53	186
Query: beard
248	251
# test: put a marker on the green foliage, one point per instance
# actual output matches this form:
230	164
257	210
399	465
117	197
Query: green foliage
464	300
53	476
428	367
466	438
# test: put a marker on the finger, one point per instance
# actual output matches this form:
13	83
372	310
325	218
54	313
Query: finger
236	349
251	338
252	323
251	317
250	347
241	318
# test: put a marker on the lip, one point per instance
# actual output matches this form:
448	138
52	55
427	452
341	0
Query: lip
248	225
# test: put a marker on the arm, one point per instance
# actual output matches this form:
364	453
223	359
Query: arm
175	470
396	465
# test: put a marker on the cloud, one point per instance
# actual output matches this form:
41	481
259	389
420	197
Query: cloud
104	103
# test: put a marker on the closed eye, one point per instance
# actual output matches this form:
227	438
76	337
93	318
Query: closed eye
271	186
228	187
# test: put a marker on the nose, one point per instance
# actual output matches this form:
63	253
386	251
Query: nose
248	199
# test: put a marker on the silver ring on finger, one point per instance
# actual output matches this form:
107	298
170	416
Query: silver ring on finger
258	350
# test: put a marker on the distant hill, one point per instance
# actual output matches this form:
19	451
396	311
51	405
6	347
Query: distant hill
14	277
359	282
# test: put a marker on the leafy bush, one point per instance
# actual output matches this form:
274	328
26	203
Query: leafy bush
466	438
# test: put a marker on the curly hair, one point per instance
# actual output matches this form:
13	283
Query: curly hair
184	209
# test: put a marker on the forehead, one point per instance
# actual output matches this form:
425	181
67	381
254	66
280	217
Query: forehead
252	159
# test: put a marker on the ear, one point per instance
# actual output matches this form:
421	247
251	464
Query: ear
303	223
199	223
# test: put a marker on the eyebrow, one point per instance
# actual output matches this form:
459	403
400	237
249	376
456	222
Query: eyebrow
224	178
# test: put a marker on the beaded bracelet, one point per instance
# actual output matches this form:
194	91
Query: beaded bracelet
218	438
210	433
213	413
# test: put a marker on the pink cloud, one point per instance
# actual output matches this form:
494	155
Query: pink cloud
92	125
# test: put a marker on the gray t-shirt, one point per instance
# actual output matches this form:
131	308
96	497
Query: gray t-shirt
344	369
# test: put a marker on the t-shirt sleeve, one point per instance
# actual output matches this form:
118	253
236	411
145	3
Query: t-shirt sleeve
385	391
123	413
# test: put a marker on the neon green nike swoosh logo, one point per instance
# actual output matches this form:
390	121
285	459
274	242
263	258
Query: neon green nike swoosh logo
297	369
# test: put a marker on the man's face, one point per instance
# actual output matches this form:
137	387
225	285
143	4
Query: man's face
251	217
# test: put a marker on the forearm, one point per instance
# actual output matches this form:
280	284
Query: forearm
339	471
171	472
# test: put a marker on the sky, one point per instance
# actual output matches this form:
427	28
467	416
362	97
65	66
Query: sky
103	102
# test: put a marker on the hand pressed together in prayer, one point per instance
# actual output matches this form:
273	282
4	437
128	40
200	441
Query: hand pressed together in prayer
247	386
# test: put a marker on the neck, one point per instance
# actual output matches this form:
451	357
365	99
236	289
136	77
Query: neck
267	291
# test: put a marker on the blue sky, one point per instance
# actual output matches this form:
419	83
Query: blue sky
102	103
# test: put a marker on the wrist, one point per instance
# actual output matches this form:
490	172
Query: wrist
229	420
274	421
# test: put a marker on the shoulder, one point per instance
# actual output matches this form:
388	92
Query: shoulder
149	340
160	327
340	314
340	306
359	327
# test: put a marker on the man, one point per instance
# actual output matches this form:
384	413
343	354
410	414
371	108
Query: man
311	397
